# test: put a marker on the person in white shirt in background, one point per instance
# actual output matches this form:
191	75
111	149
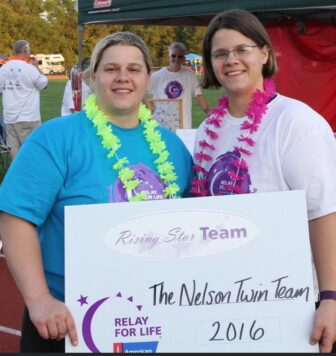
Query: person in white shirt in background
20	83
68	106
257	140
177	82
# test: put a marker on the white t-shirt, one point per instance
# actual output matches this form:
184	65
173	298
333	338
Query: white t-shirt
294	149
176	85
68	103
20	85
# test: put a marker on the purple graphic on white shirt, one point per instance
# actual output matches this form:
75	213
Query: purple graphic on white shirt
150	184
174	89
218	176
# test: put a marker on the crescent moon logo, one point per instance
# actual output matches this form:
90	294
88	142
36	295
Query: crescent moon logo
86	326
174	89
138	325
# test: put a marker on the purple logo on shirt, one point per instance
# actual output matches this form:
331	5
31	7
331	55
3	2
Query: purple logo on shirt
219	177
150	184
174	89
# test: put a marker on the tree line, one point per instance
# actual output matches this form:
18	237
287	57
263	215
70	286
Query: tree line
50	26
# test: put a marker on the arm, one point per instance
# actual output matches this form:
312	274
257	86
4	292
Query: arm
67	102
51	317
42	80
323	241
203	103
197	93
34	61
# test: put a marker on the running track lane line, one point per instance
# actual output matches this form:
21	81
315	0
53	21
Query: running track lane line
10	331
4	328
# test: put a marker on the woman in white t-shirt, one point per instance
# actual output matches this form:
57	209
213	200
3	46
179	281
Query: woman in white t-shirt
257	140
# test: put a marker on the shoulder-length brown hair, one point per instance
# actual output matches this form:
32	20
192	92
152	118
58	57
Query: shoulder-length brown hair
247	24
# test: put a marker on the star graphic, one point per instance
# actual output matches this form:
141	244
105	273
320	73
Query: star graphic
82	300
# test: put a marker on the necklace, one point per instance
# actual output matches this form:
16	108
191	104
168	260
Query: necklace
255	111
157	146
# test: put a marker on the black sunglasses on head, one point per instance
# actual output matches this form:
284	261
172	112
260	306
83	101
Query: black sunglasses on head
179	57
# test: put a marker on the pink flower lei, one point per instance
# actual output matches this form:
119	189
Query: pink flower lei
255	111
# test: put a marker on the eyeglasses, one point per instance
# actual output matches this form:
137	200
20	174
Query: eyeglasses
179	57
242	51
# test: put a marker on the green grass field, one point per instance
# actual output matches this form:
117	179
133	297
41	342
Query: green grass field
51	101
51	98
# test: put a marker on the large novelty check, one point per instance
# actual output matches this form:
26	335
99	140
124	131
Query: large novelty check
214	274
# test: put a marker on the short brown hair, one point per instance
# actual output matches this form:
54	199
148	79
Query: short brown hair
246	23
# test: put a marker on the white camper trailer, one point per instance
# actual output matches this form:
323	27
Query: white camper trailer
51	63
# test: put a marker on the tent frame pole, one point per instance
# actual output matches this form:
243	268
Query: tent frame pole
80	46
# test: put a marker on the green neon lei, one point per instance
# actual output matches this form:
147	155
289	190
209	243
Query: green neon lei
157	146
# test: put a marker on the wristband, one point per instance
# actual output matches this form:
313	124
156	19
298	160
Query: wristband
327	294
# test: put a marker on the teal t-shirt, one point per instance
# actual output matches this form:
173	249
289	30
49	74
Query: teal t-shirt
64	163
